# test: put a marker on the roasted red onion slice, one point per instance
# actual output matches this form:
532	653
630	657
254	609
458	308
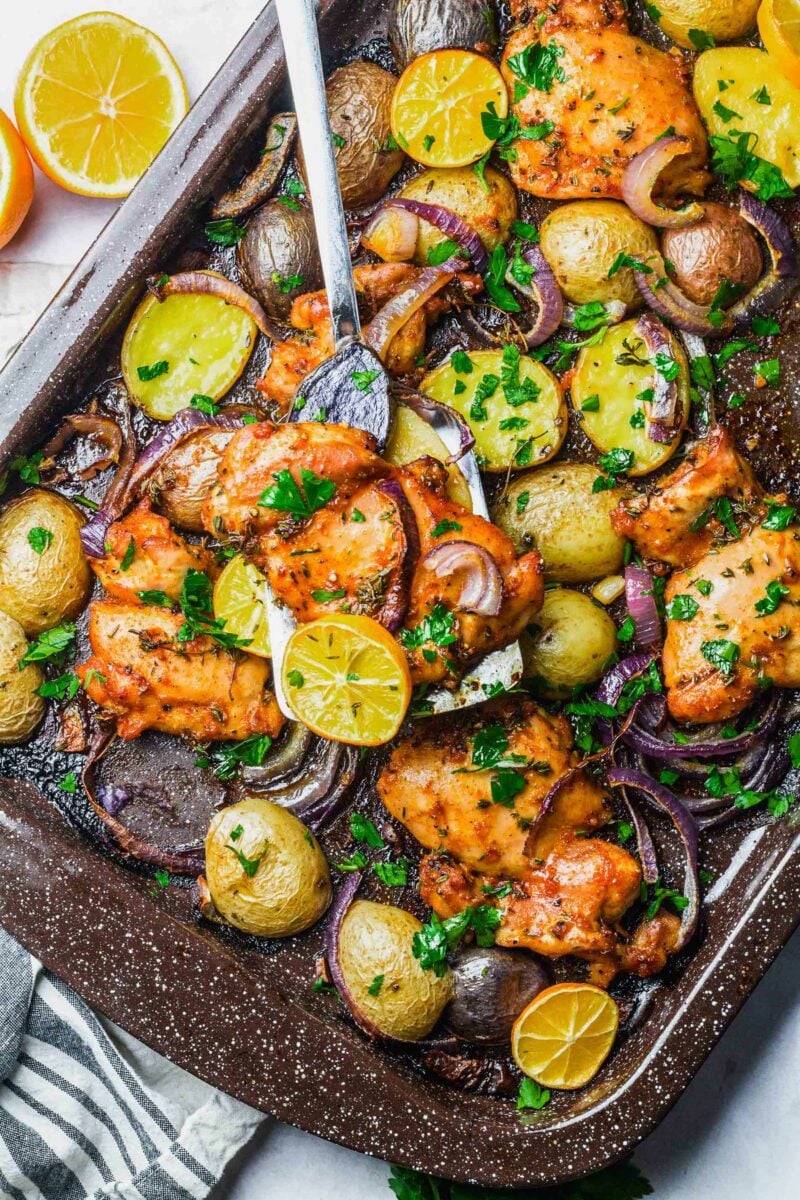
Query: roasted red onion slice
435	413
642	607
93	425
616	677
662	798
475	571
546	294
339	910
395	603
392	234
663	413
641	179
308	775
186	422
206	283
450	224
644	841
771	291
647	743
397	311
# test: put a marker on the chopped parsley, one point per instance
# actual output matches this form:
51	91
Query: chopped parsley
225	232
39	539
69	783
701	40
657	894
626	260
537	66
721	654
197	606
517	391
445	526
461	363
374	988
431	944
734	161
287	283
152	371
363	380
442	252
775	593
392	874
532	1095
682	608
204	404
323	595
437	627
127	558
49	644
364	831
769	370
494	280
226	758
487	386
299	500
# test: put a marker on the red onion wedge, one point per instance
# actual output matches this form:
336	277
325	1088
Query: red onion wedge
208	283
645	847
662	798
663	413
472	567
642	607
91	424
339	910
392	234
641	179
435	413
666	748
546	294
665	298
186	422
450	224
309	776
616	677
395	601
397	311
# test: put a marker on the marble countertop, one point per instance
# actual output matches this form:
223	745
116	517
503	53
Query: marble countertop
734	1134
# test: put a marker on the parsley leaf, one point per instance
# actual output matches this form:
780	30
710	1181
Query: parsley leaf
721	654
392	874
779	516
537	65
363	830
147	373
532	1095
39	539
734	161
226	758
364	380
224	232
299	500
682	608
494	280
775	593
49	644
445	526
64	687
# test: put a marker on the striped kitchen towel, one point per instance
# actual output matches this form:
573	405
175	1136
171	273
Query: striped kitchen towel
86	1111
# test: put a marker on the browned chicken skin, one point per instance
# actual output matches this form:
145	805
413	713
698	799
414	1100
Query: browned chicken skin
675	523
144	553
612	96
146	677
376	284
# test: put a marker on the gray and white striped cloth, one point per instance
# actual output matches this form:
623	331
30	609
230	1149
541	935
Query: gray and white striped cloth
86	1112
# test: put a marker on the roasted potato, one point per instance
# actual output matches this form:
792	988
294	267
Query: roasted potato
511	431
186	476
582	241
21	709
554	510
418	26
359	103
724	20
608	388
720	248
278	257
44	576
750	76
568	643
491	987
375	942
265	870
412	438
489	213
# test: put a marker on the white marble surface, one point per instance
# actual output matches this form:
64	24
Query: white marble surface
736	1131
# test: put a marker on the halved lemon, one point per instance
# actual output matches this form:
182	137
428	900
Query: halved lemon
779	26
96	100
183	347
240	601
565	1035
347	679
437	107
16	180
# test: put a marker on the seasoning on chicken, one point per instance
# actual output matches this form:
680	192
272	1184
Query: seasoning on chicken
440	520
741	629
608	95
149	679
144	553
691	509
376	284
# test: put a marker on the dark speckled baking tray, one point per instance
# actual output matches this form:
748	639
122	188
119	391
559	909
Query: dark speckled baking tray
240	1015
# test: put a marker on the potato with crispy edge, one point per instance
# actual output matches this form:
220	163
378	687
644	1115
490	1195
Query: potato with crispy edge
582	242
686	21
265	870
44	576
375	942
21	709
489	212
555	511
359	99
568	643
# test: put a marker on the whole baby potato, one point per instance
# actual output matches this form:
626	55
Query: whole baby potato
44	576
725	20
582	240
187	475
568	643
278	258
359	104
418	26
459	189
265	870
375	940
21	709
554	510
720	248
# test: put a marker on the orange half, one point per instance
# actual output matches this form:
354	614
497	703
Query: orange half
16	180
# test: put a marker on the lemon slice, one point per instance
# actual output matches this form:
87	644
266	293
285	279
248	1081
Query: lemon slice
437	107
96	100
347	679
240	601
565	1035
184	346
779	26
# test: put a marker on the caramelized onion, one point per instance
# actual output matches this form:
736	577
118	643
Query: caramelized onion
205	283
450	224
475	571
641	179
93	425
396	312
546	294
663	413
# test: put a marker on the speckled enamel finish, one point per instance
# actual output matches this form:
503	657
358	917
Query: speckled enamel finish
243	1017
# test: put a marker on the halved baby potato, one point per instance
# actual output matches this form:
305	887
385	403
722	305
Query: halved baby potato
568	642
760	99
609	389
517	421
412	438
490	210
183	346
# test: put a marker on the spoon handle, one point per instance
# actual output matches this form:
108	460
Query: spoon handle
298	24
